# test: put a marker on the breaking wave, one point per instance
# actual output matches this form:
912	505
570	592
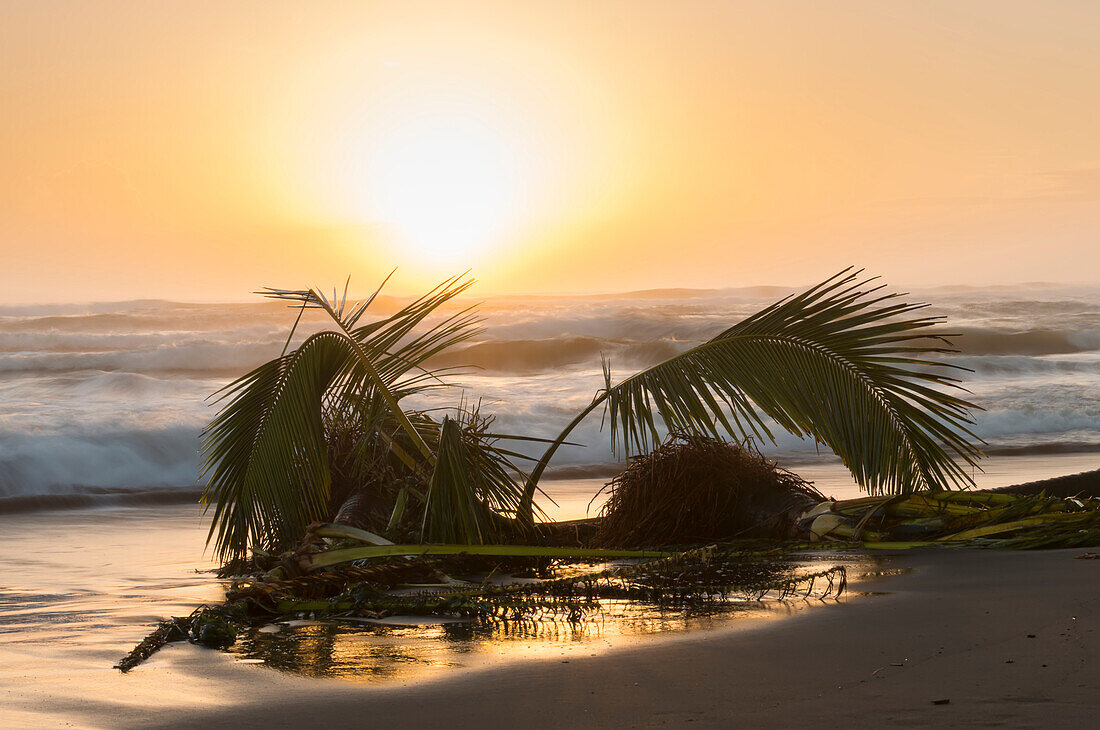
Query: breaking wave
104	403
1029	342
67	460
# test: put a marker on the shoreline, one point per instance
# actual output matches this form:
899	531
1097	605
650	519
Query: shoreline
70	612
957	622
574	493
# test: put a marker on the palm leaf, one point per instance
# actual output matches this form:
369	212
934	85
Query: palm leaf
473	484
452	511
373	375
264	453
842	363
267	440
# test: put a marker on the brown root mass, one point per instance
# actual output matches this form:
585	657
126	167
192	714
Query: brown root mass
695	489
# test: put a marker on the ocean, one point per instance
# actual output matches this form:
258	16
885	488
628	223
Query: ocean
104	403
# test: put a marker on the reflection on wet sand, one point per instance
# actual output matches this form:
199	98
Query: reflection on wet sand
404	647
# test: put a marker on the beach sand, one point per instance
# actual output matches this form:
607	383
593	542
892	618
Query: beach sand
1011	639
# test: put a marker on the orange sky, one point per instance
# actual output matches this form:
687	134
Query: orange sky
198	150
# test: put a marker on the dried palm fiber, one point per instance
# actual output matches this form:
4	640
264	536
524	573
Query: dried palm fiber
694	488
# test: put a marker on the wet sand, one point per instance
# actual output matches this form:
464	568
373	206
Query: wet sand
955	627
958	626
81	587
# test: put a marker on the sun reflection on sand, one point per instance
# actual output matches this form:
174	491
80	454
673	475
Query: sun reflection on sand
408	648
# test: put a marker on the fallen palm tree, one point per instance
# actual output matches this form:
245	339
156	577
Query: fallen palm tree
321	435
344	574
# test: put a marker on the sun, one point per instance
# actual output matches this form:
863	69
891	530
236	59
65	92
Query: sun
437	170
444	184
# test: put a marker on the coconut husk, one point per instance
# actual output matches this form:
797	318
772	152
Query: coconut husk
695	489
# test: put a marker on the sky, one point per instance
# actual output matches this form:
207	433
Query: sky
199	150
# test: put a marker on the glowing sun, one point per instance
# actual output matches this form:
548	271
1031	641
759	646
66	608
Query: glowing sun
445	185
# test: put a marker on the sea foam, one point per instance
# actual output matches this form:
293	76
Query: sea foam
113	396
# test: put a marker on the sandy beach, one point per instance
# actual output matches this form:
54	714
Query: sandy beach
958	628
1010	639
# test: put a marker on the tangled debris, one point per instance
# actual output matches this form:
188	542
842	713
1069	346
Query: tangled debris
711	576
340	571
694	489
974	519
212	626
691	491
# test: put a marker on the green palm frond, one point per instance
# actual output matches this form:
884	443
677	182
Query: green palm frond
452	512
474	484
264	453
843	363
267	441
387	334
